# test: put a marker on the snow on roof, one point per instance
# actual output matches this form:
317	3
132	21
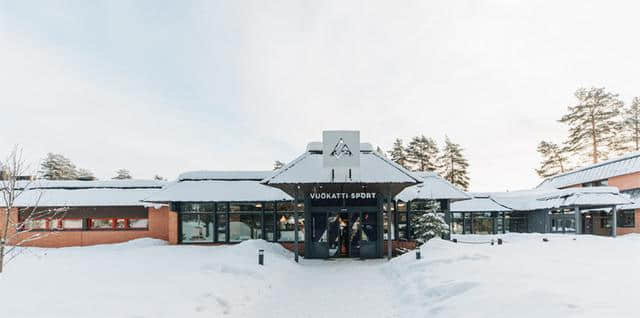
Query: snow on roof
541	199
68	193
224	175
218	190
433	187
627	164
83	197
308	168
95	184
478	204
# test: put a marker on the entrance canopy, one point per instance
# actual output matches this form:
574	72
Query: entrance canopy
375	172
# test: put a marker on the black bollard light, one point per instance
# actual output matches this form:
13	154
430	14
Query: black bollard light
260	257
544	239
499	241
492	242
455	240
418	254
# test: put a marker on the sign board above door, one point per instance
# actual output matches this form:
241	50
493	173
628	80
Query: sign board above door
341	149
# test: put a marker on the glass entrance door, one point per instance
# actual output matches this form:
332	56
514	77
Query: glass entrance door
344	234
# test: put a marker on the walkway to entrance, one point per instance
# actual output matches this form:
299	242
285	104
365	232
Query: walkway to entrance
334	288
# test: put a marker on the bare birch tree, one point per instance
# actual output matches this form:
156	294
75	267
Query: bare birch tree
17	229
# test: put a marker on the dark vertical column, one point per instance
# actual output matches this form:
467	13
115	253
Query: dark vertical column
445	207
614	223
264	232
578	220
396	217
504	223
295	220
228	224
408	221
389	226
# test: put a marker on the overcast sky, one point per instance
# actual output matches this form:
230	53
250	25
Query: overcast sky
171	86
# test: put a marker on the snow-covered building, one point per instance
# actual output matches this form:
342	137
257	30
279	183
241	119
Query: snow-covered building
592	200
78	213
339	198
322	210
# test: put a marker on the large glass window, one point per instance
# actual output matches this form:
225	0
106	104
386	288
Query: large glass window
482	223
72	224
626	218
286	224
101	224
138	223
197	227
221	222
244	226
369	227
457	223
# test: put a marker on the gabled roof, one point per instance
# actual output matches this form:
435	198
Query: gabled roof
479	204
627	164
433	187
72	193
210	186
224	175
308	169
542	199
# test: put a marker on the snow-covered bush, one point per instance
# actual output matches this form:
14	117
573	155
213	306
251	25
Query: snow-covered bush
428	224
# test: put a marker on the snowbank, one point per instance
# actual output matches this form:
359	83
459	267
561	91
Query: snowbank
568	276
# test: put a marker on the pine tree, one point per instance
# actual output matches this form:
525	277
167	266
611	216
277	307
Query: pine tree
57	167
122	174
454	165
631	123
428	225
554	159
592	122
398	153
422	154
85	175
278	165
381	152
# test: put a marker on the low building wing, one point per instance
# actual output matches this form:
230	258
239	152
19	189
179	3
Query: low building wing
204	186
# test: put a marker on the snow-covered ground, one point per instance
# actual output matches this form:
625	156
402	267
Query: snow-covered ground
525	277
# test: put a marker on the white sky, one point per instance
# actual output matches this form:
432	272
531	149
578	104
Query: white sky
166	87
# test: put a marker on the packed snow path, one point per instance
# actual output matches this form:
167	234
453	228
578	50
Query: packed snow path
334	288
568	276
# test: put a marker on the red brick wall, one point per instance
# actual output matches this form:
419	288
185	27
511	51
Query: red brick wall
627	181
172	230
158	228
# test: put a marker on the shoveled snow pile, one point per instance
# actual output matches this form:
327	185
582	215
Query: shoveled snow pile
525	277
144	278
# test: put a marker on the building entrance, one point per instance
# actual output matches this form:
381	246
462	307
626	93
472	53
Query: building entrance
342	233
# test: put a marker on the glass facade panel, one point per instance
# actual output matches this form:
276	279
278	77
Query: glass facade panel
101	224
54	224
457	223
319	227
369	227
138	223
269	226
72	224
482	223
197	228
121	224
285	226
244	226
626	218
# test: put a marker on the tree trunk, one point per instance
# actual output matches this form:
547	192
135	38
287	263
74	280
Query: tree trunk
5	234
594	140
